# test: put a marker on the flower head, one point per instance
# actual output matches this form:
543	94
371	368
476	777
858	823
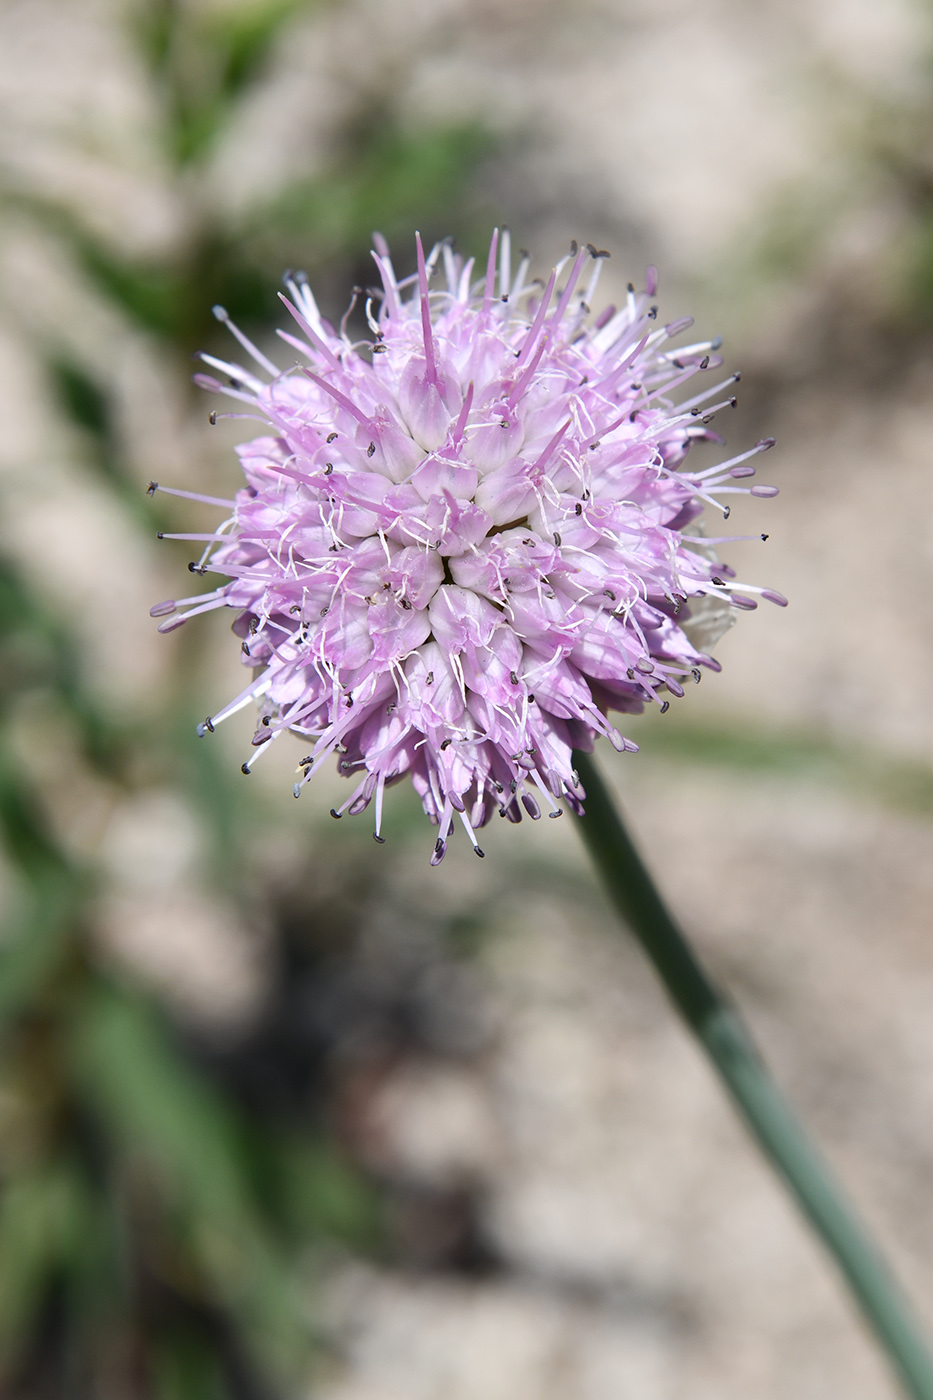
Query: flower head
466	540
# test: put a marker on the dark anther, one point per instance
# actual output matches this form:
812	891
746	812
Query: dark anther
504	423
531	699
653	314
678	364
574	248
244	648
446	744
665	706
159	535
631	286
244	768
266	720
737	376
557	539
335	814
405	604
152	488
586	494
630	673
696	673
558	813
633	415
764	537
513	786
390	709
324	612
349	702
704	363
328	468
212	418
608	593
370	451
578	509
380	839
429	678
733	401
718	581
480	853
209	725
331	437
694	413
726	512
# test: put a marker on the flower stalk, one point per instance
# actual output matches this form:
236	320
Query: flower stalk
760	1103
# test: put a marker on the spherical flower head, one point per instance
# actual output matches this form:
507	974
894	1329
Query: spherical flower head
466	540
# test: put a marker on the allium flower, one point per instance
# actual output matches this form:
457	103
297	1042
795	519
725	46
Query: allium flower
466	540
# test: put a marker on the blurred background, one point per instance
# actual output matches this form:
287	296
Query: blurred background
287	1114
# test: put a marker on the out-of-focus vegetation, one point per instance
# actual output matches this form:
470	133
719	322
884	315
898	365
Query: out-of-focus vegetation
159	1204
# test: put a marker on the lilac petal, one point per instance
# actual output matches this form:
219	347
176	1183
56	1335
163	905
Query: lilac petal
458	549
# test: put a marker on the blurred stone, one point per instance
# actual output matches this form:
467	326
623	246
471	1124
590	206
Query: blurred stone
158	921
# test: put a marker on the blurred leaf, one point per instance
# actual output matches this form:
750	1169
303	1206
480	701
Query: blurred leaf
83	400
46	1222
39	649
317	1192
158	1111
152	1101
204	60
35	951
905	786
186	1368
150	294
390	179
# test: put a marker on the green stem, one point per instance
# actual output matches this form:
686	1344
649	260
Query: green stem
756	1096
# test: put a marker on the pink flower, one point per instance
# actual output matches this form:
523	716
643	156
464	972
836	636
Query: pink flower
465	541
